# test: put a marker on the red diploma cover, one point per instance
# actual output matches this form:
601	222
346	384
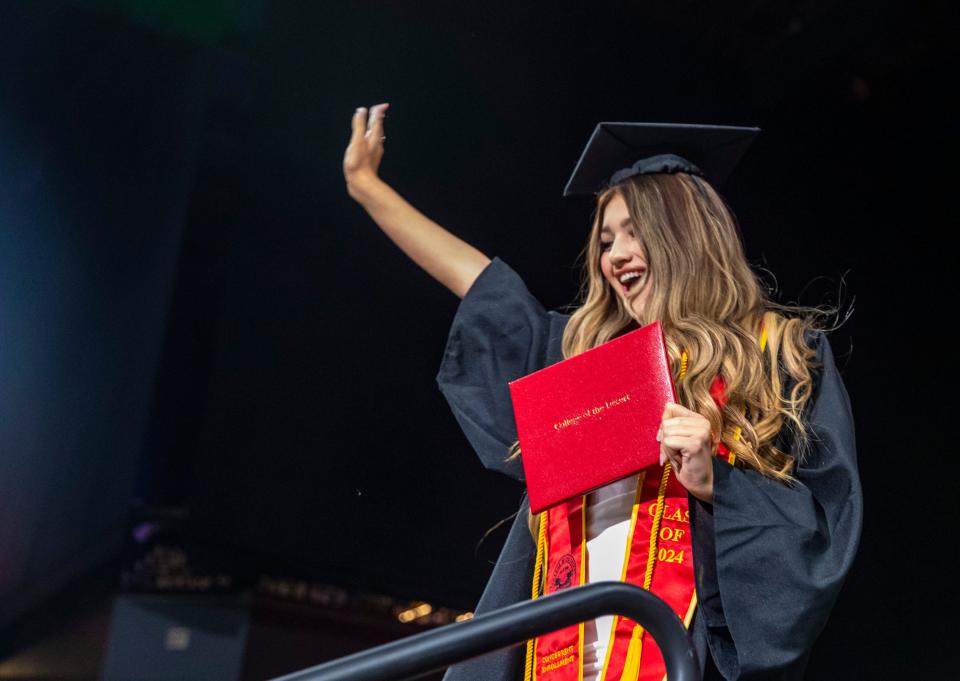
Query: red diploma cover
592	419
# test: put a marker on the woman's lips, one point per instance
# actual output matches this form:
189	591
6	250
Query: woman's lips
630	279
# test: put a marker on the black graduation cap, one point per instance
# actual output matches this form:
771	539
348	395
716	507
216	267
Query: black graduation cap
617	151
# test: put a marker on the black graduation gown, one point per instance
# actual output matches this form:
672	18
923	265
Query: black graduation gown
769	558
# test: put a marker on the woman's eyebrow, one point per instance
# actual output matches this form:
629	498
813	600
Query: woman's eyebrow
607	230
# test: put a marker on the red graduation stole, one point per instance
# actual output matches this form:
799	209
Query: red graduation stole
659	558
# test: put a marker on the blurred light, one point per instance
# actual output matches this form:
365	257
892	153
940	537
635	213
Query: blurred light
417	612
859	89
177	638
464	617
143	532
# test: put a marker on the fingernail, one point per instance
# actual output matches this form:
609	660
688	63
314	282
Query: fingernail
360	109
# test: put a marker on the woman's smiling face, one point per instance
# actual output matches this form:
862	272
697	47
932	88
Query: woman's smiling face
623	260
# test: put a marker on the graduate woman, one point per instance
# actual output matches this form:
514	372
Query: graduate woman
749	525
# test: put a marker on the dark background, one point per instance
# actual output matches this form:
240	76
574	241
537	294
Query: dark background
195	316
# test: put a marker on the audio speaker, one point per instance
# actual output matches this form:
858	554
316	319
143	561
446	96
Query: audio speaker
176	638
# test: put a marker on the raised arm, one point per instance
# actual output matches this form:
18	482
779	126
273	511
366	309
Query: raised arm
448	259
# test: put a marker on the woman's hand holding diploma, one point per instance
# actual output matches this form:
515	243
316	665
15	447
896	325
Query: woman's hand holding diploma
687	443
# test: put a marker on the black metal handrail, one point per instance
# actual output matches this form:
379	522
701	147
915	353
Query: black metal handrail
439	648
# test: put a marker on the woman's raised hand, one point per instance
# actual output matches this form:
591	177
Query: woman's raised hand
447	258
361	161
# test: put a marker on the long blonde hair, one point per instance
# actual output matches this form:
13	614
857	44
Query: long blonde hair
713	307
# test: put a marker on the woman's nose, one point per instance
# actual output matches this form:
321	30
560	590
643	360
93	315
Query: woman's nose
619	253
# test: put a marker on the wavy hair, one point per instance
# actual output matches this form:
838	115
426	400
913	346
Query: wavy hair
712	306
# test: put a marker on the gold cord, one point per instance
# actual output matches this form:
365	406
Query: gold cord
535	590
655	527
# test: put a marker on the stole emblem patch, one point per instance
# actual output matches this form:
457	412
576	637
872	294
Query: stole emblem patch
563	573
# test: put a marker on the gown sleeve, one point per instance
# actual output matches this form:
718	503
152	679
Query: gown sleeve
500	333
771	558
